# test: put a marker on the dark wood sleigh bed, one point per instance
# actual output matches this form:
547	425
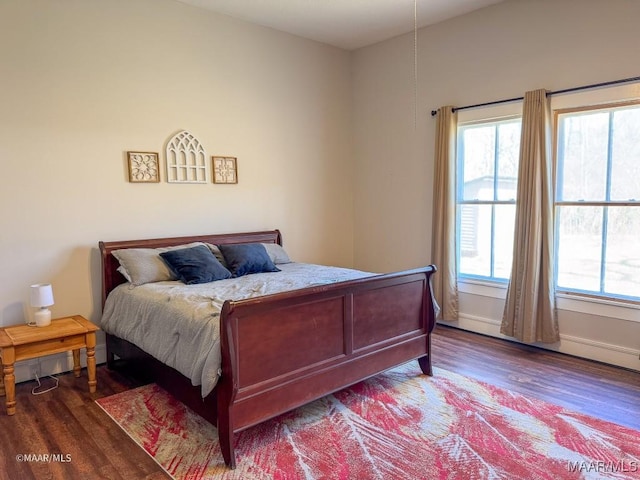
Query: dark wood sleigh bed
285	350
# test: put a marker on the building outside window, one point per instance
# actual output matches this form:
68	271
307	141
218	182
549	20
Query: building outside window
487	174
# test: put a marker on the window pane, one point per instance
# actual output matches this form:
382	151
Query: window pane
478	162
508	153
488	156
505	217
622	267
579	247
583	156
625	166
475	240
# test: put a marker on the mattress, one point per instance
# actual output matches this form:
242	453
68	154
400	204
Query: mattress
179	324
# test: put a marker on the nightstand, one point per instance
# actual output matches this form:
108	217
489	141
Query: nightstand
22	342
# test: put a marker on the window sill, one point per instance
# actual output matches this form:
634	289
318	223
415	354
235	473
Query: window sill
564	301
598	306
482	288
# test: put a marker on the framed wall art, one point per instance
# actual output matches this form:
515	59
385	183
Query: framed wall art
225	169
186	159
143	167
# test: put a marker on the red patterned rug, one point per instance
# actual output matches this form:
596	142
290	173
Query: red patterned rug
398	425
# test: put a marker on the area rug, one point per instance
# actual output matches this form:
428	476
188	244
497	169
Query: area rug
397	425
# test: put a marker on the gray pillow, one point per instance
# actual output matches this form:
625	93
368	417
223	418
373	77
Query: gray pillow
144	265
217	253
276	253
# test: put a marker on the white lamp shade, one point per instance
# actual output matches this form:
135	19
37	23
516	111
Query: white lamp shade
41	295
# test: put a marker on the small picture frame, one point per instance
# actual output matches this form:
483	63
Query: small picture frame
225	169
144	167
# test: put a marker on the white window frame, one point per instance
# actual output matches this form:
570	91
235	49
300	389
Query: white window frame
476	289
477	116
558	203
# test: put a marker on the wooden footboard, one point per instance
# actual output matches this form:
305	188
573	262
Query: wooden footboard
282	351
285	350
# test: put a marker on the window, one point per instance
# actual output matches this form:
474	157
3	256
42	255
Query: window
597	207
487	174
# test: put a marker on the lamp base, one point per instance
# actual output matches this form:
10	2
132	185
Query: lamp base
42	317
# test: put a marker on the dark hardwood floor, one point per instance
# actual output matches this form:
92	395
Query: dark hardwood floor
67	422
589	387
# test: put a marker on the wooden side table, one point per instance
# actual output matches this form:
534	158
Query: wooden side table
22	342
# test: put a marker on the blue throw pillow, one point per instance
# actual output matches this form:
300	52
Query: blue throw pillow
245	258
195	265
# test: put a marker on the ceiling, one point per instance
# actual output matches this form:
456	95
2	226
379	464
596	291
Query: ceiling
347	24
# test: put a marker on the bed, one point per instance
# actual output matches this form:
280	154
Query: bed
282	350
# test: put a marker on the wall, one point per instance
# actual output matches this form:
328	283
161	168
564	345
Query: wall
85	81
498	52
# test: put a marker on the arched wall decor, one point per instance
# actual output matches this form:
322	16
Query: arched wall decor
186	159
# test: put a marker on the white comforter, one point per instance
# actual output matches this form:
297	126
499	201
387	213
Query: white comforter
179	324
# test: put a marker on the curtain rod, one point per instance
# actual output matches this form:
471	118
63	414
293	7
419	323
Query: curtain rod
557	92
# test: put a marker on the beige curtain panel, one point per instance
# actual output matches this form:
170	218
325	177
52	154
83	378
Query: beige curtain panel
443	246
529	313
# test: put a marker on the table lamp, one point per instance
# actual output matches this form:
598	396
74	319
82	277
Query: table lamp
42	297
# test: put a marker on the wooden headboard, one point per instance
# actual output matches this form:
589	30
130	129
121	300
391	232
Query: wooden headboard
111	278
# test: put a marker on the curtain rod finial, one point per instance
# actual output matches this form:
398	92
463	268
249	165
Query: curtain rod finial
434	113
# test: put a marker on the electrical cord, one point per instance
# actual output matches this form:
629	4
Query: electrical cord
33	390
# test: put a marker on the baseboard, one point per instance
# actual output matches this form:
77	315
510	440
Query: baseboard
54	364
569	344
